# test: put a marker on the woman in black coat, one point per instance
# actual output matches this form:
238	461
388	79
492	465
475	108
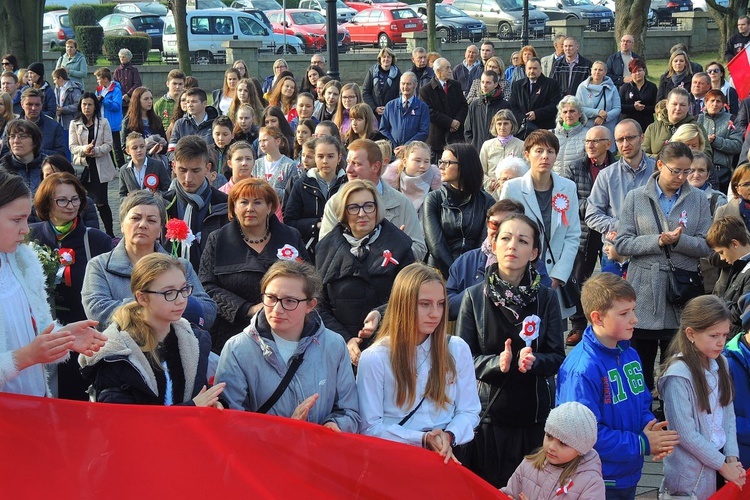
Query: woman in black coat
455	216
252	241
59	202
358	261
679	74
382	82
638	98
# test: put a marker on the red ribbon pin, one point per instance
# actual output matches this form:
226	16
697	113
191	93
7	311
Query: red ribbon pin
388	258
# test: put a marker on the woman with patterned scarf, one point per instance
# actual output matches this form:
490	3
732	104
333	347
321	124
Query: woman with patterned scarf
513	326
381	83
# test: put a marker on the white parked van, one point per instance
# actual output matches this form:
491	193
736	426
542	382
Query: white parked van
209	28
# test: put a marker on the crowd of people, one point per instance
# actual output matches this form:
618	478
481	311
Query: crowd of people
399	259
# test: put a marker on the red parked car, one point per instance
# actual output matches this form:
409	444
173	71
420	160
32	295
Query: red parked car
309	26
383	27
360	5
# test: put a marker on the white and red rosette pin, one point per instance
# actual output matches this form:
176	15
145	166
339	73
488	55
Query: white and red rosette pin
530	329
287	252
151	181
561	205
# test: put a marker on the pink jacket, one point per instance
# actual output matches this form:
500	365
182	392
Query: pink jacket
587	482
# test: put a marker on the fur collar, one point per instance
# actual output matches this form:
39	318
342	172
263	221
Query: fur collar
120	343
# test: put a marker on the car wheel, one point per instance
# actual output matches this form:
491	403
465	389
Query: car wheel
444	35
289	50
384	41
504	31
203	57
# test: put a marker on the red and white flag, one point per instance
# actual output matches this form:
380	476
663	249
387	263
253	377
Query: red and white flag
739	69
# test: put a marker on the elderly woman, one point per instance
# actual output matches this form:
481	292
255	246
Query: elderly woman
454	216
724	137
717	74
128	76
106	285
24	159
600	99
507	169
358	261
60	202
238	255
256	362
493	64
666	218
381	83
552	202
638	97
504	145
679	75
74	62
572	125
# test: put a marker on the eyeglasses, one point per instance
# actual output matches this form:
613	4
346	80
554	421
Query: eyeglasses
287	303
64	202
6	63
493	224
446	163
12	137
171	295
627	138
594	141
713	71
680	173
348	97
368	207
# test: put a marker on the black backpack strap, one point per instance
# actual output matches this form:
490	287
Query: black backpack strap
282	385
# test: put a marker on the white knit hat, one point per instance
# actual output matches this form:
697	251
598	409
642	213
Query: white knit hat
573	424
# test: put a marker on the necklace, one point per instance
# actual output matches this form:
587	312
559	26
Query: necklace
255	242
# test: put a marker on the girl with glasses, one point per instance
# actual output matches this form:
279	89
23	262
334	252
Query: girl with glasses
60	202
154	356
288	334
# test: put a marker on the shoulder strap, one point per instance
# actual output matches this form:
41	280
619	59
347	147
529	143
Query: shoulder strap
87	245
658	226
282	385
411	413
712	203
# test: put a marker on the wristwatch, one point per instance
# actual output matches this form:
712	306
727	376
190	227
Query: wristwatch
453	438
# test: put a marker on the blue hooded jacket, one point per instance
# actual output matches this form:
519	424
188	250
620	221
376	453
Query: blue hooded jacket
610	383
738	356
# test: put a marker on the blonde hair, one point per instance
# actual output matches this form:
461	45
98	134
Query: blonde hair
354	186
130	317
405	152
386	148
687	132
538	460
399	332
338	118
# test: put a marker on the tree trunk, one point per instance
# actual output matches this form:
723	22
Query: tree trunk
726	20
22	29
631	19
179	10
431	35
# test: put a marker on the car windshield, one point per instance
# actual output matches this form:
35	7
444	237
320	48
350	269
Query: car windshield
340	5
403	14
64	22
576	2
308	18
210	4
153	8
146	22
266	5
513	5
444	11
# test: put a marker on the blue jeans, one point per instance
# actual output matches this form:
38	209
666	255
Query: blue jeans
621	493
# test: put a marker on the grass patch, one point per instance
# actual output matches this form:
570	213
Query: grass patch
154	57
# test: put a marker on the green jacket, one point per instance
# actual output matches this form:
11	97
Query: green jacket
658	133
164	107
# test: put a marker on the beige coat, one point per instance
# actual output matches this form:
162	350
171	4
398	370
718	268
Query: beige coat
78	139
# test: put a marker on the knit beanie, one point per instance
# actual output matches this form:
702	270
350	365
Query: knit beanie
37	68
573	424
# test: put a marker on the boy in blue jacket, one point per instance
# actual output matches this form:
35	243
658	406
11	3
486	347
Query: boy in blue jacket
604	373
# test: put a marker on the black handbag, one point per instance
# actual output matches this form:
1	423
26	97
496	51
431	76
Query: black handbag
682	284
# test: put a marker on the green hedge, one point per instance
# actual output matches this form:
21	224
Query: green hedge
103	9
50	8
82	15
139	44
90	41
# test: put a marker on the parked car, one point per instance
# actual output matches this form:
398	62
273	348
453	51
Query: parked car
264	5
383	27
126	24
56	29
600	18
141	8
665	8
343	12
360	5
204	4
208	29
504	17
309	26
452	24
701	5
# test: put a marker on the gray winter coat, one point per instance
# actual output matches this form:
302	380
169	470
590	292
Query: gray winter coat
638	237
693	465
252	368
728	142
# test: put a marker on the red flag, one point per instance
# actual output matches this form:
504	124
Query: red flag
739	69
56	448
731	491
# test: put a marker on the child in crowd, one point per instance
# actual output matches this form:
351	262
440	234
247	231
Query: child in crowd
141	172
412	173
729	238
566	464
697	391
272	166
604	373
616	263
245	128
222	132
307	157
305	107
737	352
165	105
305	130
240	160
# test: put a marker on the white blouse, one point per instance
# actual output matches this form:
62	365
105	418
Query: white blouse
376	387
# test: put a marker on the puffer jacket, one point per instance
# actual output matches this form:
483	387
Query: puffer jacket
572	145
121	373
585	484
453	224
31	172
597	97
658	133
304	206
352	287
